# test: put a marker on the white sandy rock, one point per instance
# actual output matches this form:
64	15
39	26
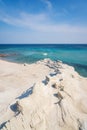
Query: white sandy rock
50	108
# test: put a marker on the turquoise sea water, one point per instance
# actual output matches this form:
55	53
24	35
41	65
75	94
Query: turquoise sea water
72	54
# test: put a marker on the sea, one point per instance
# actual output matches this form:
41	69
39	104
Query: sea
71	54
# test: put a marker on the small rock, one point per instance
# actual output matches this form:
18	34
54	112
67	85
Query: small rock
54	85
25	64
61	88
60	96
19	108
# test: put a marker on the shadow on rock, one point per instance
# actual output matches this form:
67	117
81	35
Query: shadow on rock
2	125
14	107
26	93
45	82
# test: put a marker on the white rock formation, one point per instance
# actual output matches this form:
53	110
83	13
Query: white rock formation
60	104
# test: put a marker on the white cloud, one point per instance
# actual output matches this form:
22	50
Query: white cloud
43	30
48	4
40	22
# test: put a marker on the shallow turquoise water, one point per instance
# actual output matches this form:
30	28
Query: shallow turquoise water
72	54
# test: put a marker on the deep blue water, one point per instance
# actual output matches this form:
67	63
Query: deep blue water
72	54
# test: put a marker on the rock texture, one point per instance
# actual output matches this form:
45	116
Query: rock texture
58	102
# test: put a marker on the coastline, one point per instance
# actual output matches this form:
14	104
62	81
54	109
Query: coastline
72	54
17	79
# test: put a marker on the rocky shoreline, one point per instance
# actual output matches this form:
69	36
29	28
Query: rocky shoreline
7	55
56	98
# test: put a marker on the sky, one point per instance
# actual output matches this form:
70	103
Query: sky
43	21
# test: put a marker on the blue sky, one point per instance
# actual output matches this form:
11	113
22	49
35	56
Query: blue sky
43	21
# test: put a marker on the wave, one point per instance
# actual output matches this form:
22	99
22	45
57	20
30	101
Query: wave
45	54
